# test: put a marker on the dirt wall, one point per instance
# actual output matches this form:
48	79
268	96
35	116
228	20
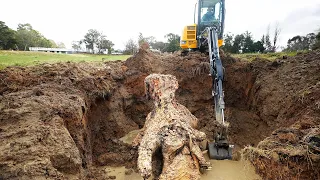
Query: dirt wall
63	120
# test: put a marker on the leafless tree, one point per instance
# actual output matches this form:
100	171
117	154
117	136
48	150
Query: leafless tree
277	32
267	41
130	47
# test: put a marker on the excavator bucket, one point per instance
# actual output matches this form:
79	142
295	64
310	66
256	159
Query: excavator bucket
219	150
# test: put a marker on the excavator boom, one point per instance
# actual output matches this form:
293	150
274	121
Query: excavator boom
206	35
220	149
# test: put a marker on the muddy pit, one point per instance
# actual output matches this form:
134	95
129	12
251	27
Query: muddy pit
65	121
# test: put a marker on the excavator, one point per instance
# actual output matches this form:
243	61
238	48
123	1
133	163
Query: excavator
206	35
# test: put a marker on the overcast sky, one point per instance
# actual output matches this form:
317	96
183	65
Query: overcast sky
69	20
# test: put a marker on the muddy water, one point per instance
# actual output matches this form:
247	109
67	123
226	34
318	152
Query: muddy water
221	170
130	136
230	170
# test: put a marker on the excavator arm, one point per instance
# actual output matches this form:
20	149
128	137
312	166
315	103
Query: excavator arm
220	149
216	71
206	35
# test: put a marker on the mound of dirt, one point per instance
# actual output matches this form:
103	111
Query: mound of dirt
63	120
289	153
46	124
287	97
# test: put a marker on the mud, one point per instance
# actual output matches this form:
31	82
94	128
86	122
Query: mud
222	170
64	121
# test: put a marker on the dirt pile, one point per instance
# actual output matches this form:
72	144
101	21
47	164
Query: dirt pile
46	125
287	97
289	153
63	120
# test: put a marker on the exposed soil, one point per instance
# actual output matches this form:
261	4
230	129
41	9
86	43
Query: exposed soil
64	121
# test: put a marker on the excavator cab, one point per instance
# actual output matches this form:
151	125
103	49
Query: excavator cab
210	14
207	13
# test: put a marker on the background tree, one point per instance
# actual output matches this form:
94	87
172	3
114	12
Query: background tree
263	39
242	43
228	43
103	44
299	43
237	43
28	37
173	42
95	39
247	43
131	47
267	42
316	44
159	45
312	38
271	46
99	44
91	39
7	37
258	47
61	45
277	31
150	39
43	42
54	45
141	39
76	45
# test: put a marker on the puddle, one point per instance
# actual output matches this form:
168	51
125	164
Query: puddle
130	136
221	169
230	170
121	173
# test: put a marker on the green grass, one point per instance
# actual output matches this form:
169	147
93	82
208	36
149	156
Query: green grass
269	56
27	58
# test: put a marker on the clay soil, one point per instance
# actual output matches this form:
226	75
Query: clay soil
64	121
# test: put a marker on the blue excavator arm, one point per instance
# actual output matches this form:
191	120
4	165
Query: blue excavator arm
220	149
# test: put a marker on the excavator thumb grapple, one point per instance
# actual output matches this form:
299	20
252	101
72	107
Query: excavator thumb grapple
220	150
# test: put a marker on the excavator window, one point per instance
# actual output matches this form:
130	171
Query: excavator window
207	14
211	13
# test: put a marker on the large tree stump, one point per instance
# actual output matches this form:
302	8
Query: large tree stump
171	128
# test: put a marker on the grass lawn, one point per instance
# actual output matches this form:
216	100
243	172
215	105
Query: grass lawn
26	58
270	56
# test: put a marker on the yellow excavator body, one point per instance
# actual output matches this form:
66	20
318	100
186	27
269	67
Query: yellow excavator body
207	14
188	38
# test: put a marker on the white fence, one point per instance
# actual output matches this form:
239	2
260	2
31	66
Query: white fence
64	50
56	50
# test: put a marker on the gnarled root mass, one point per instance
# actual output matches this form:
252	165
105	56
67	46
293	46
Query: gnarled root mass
289	153
169	127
